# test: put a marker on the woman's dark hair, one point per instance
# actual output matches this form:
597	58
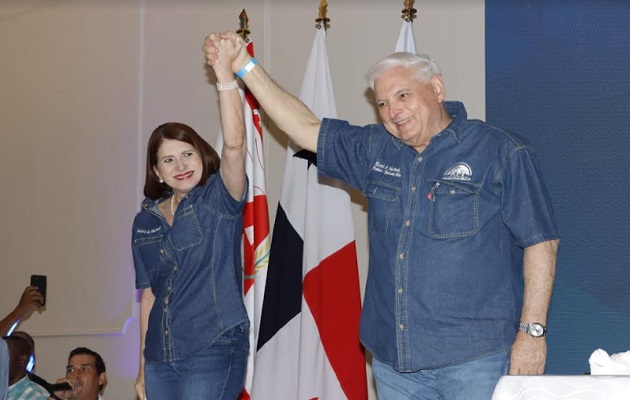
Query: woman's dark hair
210	160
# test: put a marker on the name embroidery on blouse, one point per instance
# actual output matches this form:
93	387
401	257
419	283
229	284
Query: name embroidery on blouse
148	231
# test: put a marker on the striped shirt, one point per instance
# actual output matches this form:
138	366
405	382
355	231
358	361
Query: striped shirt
25	389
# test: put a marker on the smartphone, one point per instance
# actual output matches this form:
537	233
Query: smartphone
39	281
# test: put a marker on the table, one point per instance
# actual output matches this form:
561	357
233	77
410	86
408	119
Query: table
565	387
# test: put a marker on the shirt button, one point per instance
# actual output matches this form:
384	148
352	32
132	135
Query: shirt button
166	333
175	268
401	326
162	251
401	256
400	290
419	158
413	188
453	191
407	223
166	300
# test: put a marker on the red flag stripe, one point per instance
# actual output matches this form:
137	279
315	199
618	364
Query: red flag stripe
332	293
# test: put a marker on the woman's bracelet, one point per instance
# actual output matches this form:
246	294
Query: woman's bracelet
248	67
227	86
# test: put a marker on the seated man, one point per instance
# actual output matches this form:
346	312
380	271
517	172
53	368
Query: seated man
31	361
21	387
30	367
85	373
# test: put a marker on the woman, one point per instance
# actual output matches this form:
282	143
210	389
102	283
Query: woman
186	248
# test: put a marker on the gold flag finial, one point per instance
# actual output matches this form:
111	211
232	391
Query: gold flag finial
244	23
322	20
409	13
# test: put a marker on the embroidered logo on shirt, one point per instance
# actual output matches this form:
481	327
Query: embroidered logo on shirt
458	172
386	169
149	231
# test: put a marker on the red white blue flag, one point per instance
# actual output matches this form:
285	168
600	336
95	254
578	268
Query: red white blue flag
308	344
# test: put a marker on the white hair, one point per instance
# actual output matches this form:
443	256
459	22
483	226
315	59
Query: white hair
423	66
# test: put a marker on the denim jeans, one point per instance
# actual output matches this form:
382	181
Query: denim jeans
217	372
472	380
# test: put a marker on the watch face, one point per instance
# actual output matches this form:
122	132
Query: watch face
536	330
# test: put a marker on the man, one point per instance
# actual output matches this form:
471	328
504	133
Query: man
21	387
30	365
31	343
85	373
463	240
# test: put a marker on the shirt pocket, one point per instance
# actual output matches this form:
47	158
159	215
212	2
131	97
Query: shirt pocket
453	209
382	199
186	230
149	248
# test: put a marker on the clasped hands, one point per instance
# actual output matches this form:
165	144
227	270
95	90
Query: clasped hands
225	51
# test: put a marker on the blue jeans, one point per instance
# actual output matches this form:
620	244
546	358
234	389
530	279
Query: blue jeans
217	372
472	380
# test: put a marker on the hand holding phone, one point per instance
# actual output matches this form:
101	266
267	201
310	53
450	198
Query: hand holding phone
39	281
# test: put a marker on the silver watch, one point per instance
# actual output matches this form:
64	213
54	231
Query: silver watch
535	329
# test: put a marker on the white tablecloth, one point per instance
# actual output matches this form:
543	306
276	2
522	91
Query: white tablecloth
565	387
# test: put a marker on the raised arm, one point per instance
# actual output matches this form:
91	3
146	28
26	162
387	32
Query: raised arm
286	111
529	354
30	301
232	123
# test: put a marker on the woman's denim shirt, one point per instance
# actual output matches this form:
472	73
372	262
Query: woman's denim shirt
447	228
193	268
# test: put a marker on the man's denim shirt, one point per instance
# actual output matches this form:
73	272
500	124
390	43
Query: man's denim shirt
193	268
447	228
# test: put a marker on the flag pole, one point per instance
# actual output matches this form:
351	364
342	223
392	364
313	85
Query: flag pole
409	13
323	21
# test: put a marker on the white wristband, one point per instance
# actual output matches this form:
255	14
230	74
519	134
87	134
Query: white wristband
227	86
248	67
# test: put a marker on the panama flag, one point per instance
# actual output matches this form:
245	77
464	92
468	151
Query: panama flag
256	239
308	347
406	40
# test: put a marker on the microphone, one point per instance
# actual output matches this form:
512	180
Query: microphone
58	387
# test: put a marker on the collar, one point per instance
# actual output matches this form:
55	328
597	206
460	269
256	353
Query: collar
20	382
151	205
458	112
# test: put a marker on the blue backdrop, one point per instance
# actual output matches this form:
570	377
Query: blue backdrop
558	72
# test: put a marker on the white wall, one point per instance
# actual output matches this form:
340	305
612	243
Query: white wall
84	82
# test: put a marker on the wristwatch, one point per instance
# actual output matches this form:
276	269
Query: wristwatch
535	329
